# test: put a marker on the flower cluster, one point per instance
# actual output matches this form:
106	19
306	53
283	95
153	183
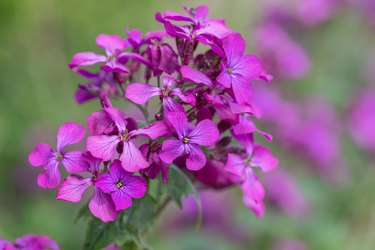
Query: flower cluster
30	242
197	113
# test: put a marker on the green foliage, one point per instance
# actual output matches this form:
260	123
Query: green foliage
180	185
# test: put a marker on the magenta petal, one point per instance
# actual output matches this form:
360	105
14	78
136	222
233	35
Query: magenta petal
234	47
170	15
73	188
178	121
257	207
196	159
205	133
194	75
118	118
235	165
99	123
35	242
102	206
249	67
135	187
69	133
122	200
170	105
41	155
168	82
188	98
114	66
244	126
263	158
154	130
140	93
50	178
252	187
171	149
224	79
102	146
74	162
132	159
86	59
117	172
134	56
242	90
110	43
106	183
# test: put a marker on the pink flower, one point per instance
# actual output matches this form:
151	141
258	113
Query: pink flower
122	185
104	146
140	93
238	69
43	155
188	139
73	187
35	242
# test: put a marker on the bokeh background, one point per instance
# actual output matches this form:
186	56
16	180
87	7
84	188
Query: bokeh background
319	107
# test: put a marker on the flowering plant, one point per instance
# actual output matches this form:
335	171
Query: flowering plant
198	132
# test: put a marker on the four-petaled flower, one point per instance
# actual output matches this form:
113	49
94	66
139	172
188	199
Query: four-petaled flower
43	155
238	69
188	140
122	185
140	93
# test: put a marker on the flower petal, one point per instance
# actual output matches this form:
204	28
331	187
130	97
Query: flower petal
179	122
154	130
135	187
86	59
118	118
110	43
73	188
102	146
41	155
234	46
74	162
196	159
188	98
106	183
235	165
194	75
69	133
122	200
263	158
140	93
102	206
114	66
171	149
132	159
99	123
205	133
50	178
242	89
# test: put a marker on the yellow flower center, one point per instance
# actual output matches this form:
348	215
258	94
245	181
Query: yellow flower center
59	156
119	184
185	140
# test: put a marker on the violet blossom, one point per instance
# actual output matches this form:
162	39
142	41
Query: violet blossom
43	155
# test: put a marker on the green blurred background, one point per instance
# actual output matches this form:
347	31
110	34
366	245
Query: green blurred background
39	37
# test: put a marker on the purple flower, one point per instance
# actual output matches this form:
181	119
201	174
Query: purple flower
99	84
35	242
43	155
132	159
73	187
6	245
140	93
253	193
238	69
204	29
156	164
188	140
161	55
122	185
113	46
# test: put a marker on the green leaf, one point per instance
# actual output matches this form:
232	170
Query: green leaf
99	234
179	185
142	214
